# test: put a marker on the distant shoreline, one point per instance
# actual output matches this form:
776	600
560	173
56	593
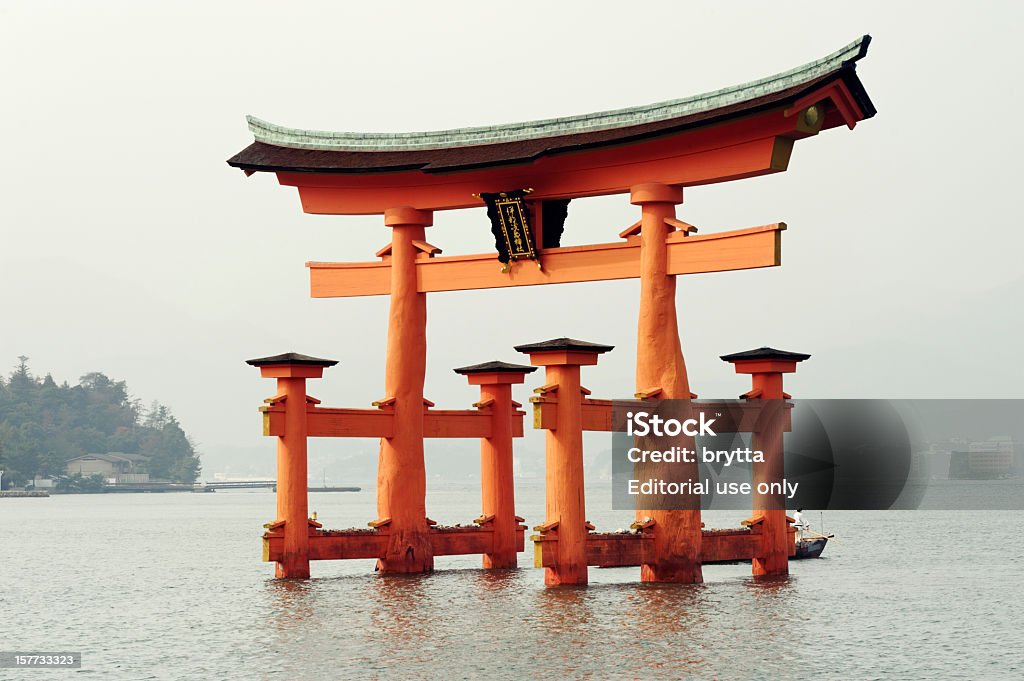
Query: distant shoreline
163	488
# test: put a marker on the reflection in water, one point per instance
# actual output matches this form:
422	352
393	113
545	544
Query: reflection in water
563	608
497	581
773	617
401	606
670	608
292	602
676	614
562	633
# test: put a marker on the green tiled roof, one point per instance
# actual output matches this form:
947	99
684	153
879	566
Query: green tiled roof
276	135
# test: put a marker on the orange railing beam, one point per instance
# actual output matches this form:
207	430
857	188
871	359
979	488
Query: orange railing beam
437	423
740	249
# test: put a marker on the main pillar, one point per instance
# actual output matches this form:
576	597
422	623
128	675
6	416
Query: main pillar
660	365
497	485
291	371
564	505
766	366
401	474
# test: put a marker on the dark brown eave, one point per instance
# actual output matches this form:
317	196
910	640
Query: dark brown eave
262	157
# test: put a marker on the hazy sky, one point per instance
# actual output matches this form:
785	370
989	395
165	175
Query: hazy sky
129	246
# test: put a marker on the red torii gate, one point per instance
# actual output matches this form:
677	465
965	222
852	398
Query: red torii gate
651	152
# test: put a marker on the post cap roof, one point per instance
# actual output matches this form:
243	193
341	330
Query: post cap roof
291	358
765	353
565	344
495	367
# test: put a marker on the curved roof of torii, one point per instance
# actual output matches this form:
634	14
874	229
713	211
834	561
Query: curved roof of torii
281	149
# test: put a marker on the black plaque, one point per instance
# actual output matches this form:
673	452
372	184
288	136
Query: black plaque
510	224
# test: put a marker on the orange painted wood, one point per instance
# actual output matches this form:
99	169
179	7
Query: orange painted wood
292	502
741	249
437	423
401	474
597	415
342	280
337	194
627	550
329	422
564	489
675	556
497	485
334	545
773	556
726	545
618	550
745	147
355	544
290	371
453	541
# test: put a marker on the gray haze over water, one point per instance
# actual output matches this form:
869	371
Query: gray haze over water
170	586
130	247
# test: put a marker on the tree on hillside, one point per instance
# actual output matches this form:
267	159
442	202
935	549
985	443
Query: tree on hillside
43	425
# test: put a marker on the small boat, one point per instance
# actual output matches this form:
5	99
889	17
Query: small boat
811	545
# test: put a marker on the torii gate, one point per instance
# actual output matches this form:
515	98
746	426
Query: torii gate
651	152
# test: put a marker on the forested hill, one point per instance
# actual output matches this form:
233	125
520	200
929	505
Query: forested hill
43	425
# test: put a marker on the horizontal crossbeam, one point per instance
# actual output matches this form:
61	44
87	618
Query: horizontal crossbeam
600	415
722	251
354	544
617	549
437	423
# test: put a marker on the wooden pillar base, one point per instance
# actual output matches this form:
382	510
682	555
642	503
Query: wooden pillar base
678	572
293	566
408	553
773	558
566	575
500	561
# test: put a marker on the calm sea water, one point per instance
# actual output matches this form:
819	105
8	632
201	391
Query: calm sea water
171	586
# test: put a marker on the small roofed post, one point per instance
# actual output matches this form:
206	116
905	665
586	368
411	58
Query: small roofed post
291	371
766	367
401	472
565	506
497	484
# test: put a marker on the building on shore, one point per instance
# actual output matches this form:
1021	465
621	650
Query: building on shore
115	467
